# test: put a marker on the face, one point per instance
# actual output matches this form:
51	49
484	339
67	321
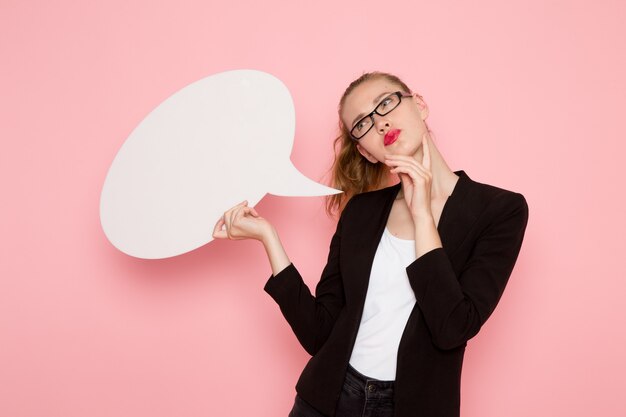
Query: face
408	119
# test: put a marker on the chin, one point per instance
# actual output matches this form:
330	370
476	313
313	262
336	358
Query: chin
406	149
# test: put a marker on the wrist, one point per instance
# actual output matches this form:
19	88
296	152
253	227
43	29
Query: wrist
423	218
269	236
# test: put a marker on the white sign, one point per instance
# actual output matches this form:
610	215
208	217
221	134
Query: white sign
221	140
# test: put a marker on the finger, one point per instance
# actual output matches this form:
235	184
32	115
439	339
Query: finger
228	218
250	210
407	186
243	203
396	157
392	157
234	216
403	177
411	162
218	233
243	210
407	182
404	169
416	166
228	213
415	175
402	159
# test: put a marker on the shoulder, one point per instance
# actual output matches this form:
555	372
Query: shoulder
364	210
370	200
495	202
377	196
497	196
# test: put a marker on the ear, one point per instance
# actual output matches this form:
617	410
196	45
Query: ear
366	154
421	105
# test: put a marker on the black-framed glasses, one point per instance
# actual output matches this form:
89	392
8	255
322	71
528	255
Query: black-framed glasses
387	104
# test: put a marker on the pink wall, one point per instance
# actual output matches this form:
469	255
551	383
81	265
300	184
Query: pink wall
526	95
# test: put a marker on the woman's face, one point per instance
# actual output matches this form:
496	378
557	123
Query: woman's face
406	123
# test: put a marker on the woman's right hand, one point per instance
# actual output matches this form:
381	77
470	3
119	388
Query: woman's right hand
242	222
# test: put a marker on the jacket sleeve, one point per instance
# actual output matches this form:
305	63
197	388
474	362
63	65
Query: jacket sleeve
311	318
455	307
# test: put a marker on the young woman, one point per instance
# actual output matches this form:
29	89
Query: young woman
414	269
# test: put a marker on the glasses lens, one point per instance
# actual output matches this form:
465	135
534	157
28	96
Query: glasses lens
365	124
360	129
388	104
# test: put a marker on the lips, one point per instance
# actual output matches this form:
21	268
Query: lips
391	136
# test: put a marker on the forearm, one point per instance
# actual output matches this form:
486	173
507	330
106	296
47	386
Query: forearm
275	251
456	301
311	318
426	235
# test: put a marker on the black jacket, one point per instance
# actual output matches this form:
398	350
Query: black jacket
456	287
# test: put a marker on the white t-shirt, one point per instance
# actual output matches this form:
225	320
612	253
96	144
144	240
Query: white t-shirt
388	304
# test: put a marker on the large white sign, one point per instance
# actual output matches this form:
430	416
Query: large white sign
221	140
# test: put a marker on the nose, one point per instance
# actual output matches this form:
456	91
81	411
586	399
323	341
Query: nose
382	124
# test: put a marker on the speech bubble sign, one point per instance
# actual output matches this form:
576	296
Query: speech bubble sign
216	142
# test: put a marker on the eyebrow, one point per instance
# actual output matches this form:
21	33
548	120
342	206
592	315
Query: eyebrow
375	101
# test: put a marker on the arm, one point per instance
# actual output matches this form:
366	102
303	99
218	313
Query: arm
311	318
275	251
454	308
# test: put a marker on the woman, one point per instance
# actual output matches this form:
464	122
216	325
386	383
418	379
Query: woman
414	269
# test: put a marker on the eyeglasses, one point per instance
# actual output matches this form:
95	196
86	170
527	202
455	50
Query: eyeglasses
365	124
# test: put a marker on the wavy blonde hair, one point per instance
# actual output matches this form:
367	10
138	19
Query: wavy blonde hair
350	171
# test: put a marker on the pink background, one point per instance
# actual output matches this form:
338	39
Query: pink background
526	95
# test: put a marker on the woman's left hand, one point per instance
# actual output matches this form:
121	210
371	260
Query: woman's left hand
416	180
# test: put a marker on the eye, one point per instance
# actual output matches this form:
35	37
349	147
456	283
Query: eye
360	125
385	102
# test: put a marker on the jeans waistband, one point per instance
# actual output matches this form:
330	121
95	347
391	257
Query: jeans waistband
371	387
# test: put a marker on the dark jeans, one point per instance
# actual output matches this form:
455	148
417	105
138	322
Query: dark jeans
361	396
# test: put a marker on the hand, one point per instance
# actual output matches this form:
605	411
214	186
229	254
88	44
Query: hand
416	179
242	222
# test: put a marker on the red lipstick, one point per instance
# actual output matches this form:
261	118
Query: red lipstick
391	136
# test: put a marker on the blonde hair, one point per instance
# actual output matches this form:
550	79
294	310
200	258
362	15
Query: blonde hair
350	171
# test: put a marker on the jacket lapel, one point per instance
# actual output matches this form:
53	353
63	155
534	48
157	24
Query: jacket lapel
457	218
454	224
